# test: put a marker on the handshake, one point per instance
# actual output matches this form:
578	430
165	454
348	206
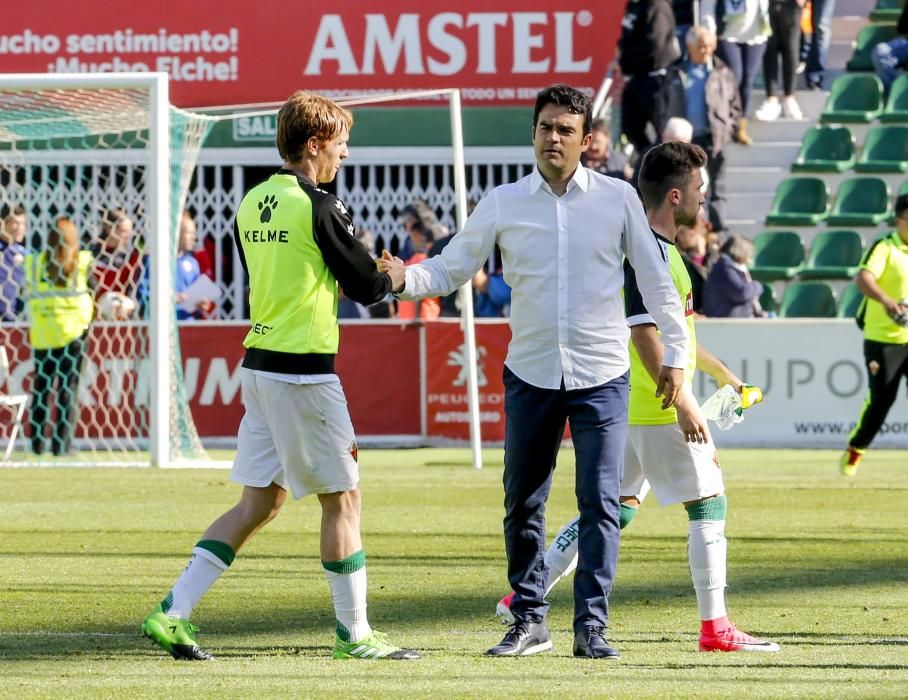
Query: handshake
394	268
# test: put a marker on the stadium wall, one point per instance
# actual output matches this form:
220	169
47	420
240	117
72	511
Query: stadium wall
405	382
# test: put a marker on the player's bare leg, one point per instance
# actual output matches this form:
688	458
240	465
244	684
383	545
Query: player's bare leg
169	624
706	554
344	562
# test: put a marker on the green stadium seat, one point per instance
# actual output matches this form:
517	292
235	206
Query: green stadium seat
896	109
854	99
885	150
834	255
808	300
799	201
849	301
869	36
778	255
826	149
769	300
861	201
887	10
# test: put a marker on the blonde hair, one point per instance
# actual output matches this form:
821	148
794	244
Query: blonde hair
63	259
306	115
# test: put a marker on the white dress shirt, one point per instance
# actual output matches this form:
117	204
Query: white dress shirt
563	257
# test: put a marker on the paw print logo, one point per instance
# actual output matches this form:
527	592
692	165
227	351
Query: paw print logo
266	206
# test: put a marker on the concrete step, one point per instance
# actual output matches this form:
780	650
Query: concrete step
753	180
779	130
777	154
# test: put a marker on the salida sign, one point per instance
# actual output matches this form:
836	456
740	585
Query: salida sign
496	51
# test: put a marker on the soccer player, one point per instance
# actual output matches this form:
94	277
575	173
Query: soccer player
296	244
671	450
883	315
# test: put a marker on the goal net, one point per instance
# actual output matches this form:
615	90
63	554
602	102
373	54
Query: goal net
94	171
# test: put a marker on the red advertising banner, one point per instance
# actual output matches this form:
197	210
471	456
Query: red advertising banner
227	52
378	365
446	380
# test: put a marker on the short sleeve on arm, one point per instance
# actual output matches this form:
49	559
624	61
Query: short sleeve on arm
634	308
876	258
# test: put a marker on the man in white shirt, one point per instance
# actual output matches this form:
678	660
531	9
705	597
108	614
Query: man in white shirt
563	232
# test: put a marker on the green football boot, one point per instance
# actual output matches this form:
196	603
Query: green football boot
174	636
375	646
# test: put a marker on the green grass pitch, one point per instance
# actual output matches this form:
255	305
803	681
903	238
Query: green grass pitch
816	562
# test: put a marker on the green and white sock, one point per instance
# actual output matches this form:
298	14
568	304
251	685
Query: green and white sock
706	553
209	560
561	556
347	580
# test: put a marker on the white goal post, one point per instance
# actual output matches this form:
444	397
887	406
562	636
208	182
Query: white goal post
118	124
118	131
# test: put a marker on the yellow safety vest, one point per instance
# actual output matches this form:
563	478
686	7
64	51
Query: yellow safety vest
58	315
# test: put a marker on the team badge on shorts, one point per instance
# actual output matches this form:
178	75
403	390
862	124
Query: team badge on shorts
354	451
874	367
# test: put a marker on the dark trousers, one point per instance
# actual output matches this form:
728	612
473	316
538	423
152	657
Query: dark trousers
715	168
891	363
744	60
821	23
644	101
785	41
56	373
533	432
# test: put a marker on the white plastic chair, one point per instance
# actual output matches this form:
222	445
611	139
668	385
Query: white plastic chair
16	402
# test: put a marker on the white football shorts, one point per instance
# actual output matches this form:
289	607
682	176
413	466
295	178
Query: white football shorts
677	470
298	436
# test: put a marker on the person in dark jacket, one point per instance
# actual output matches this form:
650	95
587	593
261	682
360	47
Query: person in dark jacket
648	46
729	291
703	90
889	56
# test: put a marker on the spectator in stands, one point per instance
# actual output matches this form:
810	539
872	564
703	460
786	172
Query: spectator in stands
821	25
417	211
676	129
12	257
60	309
600	157
785	20
118	263
187	270
493	295
648	46
684	18
889	56
428	309
693	246
704	91
729	291
742	27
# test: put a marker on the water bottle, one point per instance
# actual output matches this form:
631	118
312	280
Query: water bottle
726	406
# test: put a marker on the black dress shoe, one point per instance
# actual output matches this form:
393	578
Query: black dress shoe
522	639
590	643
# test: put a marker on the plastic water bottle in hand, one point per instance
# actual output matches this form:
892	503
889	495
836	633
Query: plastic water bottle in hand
726	406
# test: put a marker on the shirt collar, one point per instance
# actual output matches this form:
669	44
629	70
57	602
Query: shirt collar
580	178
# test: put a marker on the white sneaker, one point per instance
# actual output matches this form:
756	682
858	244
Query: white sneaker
790	108
769	111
